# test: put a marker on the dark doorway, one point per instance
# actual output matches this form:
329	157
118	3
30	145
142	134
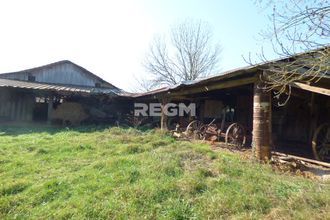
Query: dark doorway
40	112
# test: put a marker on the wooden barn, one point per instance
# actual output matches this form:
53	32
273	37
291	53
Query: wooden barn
59	93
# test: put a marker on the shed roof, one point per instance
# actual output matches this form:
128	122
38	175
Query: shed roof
191	83
9	83
238	72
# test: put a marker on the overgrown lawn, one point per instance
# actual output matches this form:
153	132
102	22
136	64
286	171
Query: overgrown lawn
122	173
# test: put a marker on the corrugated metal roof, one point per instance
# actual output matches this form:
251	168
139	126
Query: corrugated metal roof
225	75
3	75
222	76
58	88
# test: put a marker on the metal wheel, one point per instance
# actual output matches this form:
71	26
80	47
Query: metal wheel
194	125
235	135
195	128
321	142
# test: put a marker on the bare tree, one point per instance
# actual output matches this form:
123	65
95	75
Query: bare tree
297	26
142	85
188	54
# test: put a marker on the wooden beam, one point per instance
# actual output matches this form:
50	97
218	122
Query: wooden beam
216	86
164	118
288	156
182	97
313	117
315	89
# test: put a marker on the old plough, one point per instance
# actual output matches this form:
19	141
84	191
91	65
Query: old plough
233	134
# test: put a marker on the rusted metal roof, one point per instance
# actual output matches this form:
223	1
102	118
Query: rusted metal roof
58	88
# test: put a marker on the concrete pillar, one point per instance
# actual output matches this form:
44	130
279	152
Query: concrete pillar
262	122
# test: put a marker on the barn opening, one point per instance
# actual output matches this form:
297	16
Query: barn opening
222	108
296	124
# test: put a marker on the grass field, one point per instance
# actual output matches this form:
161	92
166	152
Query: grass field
121	173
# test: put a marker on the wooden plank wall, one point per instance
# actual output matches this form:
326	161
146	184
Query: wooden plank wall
15	106
297	120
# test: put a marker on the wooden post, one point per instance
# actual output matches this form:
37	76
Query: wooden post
313	117
50	109
261	122
164	118
163	122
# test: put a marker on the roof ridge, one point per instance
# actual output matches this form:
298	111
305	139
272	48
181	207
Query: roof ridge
55	84
60	62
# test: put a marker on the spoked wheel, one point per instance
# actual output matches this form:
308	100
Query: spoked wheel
235	135
195	128
321	142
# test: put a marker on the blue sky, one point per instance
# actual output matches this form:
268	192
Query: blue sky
111	38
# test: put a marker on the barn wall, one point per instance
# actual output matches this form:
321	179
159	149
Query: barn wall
15	105
18	105
244	110
65	73
100	109
292	122
297	120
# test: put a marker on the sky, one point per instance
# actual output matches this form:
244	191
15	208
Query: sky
111	38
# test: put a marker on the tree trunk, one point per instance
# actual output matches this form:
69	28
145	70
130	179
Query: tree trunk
262	122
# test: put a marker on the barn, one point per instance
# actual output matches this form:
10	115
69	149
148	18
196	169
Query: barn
64	93
59	93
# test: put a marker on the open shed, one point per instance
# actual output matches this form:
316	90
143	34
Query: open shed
293	128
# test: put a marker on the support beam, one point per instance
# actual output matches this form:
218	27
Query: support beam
164	118
215	86
313	116
261	122
315	89
163	122
50	109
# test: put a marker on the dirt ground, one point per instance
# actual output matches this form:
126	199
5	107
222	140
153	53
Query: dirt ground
282	164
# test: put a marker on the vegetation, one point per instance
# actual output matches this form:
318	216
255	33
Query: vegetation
187	53
297	26
126	173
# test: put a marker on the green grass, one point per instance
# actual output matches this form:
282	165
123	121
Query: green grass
90	173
